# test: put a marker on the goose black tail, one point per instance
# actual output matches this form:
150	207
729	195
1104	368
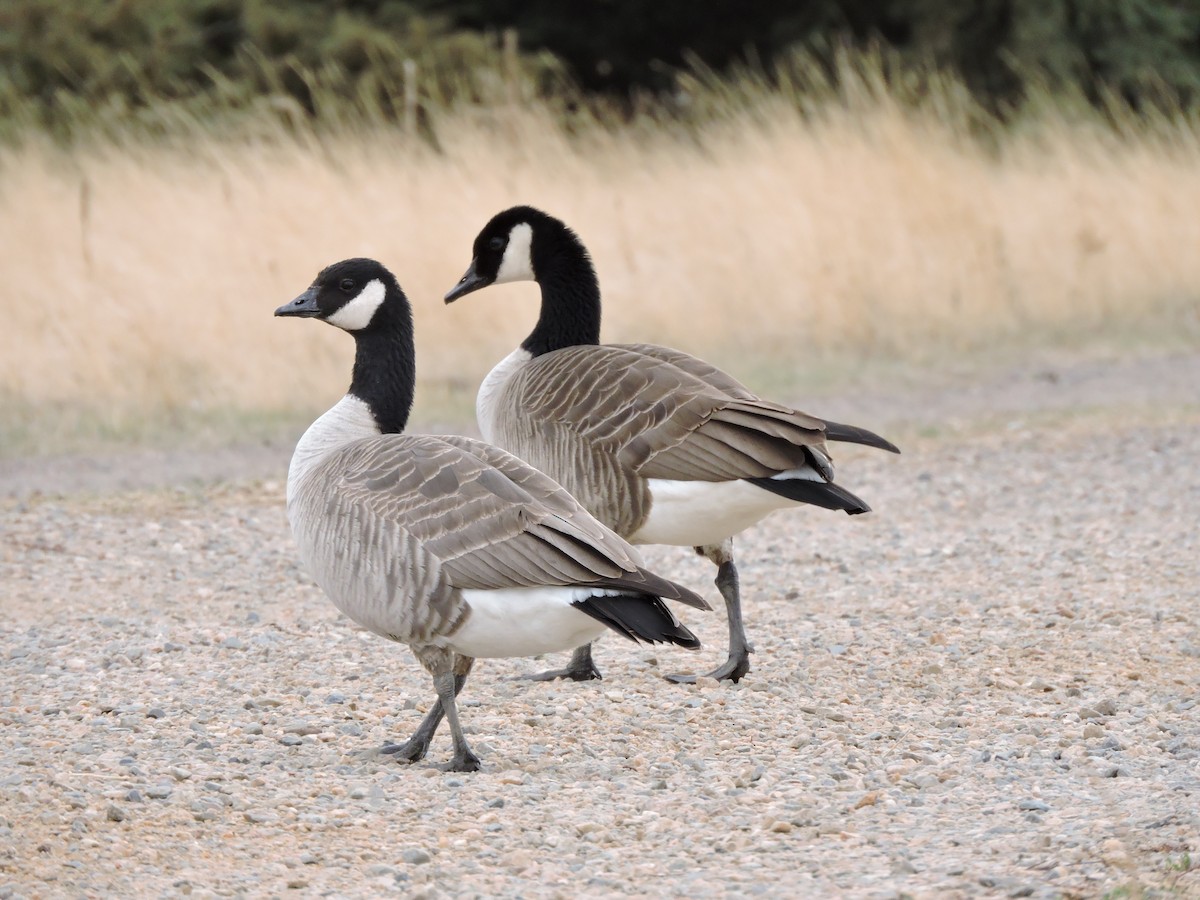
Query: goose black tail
818	493
638	617
852	434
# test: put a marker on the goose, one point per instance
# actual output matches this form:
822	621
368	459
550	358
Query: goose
446	543
659	445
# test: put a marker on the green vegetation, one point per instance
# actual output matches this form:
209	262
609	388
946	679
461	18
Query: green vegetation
72	64
69	67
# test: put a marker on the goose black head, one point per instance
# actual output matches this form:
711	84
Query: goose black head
349	294
514	246
363	298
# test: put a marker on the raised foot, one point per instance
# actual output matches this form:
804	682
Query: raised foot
412	750
590	673
733	669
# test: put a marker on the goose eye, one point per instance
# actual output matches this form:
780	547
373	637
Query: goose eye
496	243
346	285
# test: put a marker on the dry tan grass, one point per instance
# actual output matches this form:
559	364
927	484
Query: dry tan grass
139	280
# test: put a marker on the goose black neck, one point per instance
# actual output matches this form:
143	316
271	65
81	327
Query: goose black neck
385	368
570	299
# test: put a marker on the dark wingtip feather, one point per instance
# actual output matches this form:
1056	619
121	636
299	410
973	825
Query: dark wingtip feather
852	434
817	493
646	582
638	617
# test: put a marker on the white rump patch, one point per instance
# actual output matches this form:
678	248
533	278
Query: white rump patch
697	513
804	473
517	264
357	314
525	622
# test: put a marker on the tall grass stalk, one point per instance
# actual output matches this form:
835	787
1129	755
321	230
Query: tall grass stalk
881	217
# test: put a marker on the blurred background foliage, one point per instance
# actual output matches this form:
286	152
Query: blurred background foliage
71	63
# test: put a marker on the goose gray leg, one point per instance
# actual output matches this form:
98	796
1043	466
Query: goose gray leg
417	746
580	668
463	760
738	662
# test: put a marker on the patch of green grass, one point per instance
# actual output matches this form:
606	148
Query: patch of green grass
1181	863
82	428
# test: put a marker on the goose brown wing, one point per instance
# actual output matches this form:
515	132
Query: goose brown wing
658	419
723	381
489	519
706	372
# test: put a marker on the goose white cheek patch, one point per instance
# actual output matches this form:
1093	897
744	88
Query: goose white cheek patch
357	314
517	264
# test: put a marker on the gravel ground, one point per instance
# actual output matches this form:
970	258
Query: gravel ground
986	688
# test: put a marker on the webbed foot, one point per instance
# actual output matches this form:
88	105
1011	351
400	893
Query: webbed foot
733	669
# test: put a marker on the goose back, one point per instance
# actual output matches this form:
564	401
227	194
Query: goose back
693	365
606	418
